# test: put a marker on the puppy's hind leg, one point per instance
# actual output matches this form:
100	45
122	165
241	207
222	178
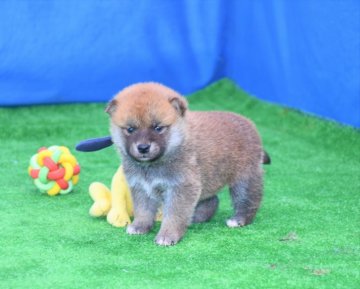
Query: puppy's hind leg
205	210
246	197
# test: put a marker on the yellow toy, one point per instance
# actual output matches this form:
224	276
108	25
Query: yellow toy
116	204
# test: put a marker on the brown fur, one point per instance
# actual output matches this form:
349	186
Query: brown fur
192	155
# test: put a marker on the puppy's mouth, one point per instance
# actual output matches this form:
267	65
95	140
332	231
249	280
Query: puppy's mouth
144	158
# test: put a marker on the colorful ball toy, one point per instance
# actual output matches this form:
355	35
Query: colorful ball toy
54	170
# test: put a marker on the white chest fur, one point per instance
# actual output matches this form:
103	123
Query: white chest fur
154	187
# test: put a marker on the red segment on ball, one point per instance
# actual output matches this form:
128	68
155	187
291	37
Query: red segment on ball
76	170
62	184
50	164
34	173
56	175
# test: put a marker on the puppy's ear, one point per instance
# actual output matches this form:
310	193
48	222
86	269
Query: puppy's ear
179	103
111	107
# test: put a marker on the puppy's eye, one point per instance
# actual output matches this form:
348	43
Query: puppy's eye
159	128
130	129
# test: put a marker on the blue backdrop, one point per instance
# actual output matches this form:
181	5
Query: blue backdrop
304	54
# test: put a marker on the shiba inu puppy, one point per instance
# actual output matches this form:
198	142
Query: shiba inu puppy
180	159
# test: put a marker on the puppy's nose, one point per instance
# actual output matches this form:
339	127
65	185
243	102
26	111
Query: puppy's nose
143	148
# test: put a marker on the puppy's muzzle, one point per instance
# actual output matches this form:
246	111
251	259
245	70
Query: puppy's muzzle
143	148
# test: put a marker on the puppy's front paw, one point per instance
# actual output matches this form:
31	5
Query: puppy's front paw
166	239
235	222
134	229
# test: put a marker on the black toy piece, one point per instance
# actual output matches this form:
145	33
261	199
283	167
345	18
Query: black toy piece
94	144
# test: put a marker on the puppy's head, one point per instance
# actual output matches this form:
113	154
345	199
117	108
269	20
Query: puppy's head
147	121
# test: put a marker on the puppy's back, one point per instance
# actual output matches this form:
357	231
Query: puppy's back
227	147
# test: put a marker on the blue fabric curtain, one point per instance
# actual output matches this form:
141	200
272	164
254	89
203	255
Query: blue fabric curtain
304	54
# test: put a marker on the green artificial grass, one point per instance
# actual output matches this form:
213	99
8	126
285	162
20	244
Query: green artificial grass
306	234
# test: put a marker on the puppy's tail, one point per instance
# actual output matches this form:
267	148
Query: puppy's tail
266	158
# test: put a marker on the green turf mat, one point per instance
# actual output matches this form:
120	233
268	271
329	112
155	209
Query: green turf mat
306	235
